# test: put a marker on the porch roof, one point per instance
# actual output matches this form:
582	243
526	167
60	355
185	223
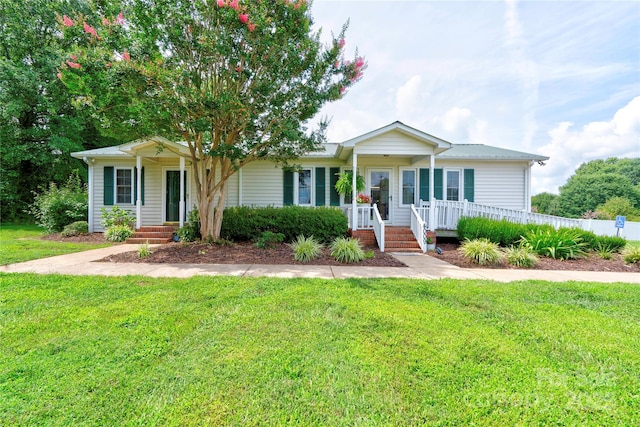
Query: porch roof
486	152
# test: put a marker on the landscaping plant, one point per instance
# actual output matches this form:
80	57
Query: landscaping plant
58	207
481	251
564	243
75	229
144	251
306	249
190	232
631	255
269	239
118	233
521	256
347	250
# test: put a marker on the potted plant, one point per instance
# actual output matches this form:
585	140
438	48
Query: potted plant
363	199
431	246
345	183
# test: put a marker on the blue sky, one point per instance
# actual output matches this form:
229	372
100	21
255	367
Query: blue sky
558	78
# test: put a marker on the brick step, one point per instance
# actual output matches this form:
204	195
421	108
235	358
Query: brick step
157	229
396	237
402	244
140	240
153	234
412	250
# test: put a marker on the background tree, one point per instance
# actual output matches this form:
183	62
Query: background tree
545	203
584	193
618	206
238	82
39	127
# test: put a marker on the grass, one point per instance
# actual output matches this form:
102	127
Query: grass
268	351
633	244
22	243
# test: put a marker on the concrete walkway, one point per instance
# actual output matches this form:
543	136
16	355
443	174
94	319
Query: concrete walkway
419	267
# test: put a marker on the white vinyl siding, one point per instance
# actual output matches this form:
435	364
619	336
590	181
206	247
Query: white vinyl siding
261	184
396	143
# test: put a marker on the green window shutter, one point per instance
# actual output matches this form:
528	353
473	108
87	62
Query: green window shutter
334	197
424	184
437	185
469	184
108	186
287	196
321	185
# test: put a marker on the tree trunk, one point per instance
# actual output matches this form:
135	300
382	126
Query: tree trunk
219	212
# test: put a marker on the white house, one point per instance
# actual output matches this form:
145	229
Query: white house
401	166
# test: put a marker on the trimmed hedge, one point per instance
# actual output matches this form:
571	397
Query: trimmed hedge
244	223
506	233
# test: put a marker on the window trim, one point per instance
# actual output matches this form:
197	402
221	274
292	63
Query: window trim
416	187
296	187
445	184
115	186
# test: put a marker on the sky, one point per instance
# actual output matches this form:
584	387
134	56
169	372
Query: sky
556	78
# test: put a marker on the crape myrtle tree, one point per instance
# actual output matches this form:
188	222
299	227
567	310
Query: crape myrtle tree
237	81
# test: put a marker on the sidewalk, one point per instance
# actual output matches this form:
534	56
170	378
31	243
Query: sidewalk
419	267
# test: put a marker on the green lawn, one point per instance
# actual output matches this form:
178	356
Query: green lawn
240	351
22	243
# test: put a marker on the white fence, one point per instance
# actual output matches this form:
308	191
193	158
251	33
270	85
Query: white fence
448	213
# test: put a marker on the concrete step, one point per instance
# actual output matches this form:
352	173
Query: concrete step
153	241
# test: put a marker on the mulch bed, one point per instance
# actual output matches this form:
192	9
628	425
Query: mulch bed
248	253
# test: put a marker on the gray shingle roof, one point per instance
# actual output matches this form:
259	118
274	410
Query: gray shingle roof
486	152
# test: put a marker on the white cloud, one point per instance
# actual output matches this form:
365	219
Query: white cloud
409	98
568	147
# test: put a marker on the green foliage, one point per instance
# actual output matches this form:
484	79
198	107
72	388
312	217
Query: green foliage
144	251
521	256
481	251
616	244
75	229
241	89
245	223
58	207
618	206
564	243
546	203
604	251
118	233
631	255
501	232
269	240
306	249
190	232
39	126
116	217
347	250
344	184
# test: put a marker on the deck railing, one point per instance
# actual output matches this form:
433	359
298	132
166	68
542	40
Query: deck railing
419	228
378	227
448	213
365	217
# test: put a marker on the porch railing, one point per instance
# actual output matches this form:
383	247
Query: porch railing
448	213
378	227
365	217
419	228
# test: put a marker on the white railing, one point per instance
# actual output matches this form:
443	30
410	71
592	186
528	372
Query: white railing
365	217
448	213
378	227
418	227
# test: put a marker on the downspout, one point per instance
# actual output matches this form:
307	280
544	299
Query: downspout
527	187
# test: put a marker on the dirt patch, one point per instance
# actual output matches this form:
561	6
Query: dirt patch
592	262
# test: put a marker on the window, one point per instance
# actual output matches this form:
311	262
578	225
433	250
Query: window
304	187
408	186
124	186
452	185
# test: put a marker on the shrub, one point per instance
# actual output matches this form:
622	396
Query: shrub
75	229
306	249
144	251
347	250
501	232
190	232
245	223
604	251
521	256
117	216
631	255
118	233
615	244
57	207
269	239
481	251
564	243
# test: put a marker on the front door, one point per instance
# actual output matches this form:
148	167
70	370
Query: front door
380	191
172	196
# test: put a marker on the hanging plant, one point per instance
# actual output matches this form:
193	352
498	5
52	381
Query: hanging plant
344	184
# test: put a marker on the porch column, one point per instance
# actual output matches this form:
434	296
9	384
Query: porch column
91	208
181	204
354	195
432	200
139	192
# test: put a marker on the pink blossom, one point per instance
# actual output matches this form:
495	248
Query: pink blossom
126	56
251	26
90	30
233	4
359	62
222	3
66	21
59	76
341	42
105	21
120	19
73	64
342	90
74	57
238	68
336	64
243	17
